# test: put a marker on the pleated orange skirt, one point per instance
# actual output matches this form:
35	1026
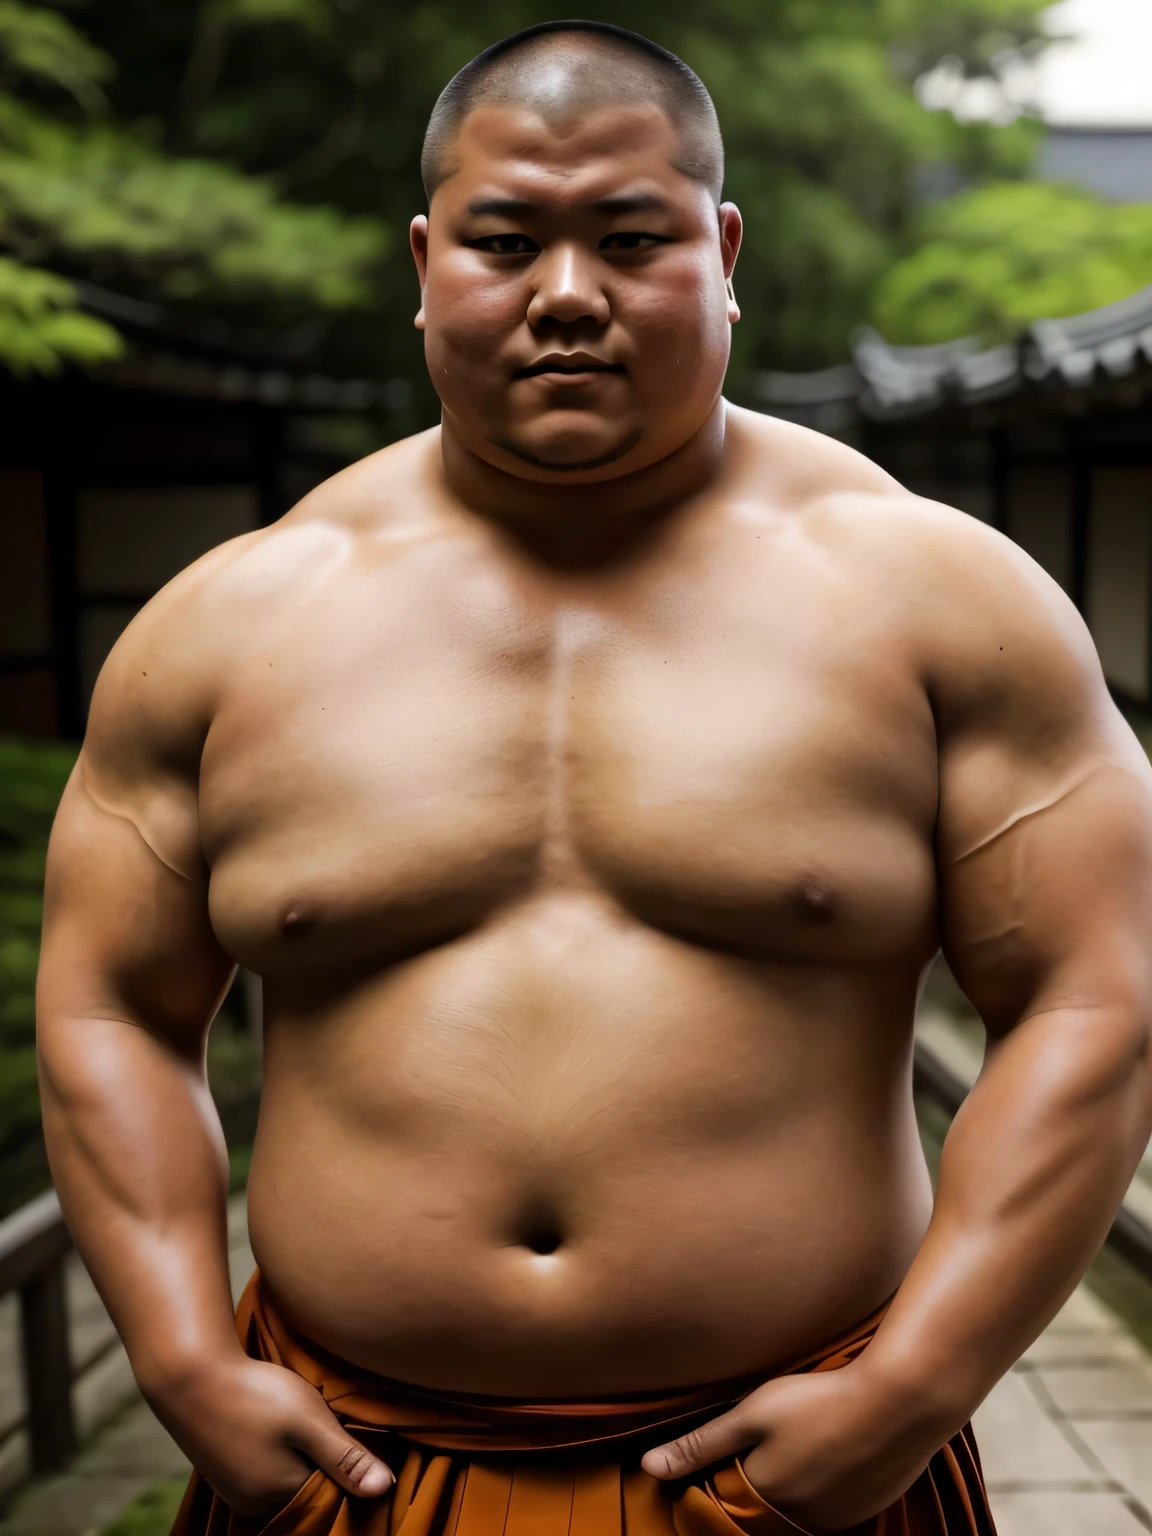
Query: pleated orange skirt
490	1466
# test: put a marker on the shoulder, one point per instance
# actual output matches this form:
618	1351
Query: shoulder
160	686
989	632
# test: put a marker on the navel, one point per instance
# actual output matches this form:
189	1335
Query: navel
539	1229
542	1240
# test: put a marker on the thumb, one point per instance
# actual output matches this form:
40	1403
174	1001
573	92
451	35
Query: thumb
714	1441
349	1464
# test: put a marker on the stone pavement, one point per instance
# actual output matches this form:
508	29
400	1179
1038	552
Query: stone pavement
1066	1437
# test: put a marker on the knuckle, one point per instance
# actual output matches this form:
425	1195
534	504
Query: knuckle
355	1460
690	1447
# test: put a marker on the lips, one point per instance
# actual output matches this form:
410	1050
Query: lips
576	365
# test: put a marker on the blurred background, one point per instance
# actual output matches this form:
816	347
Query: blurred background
206	307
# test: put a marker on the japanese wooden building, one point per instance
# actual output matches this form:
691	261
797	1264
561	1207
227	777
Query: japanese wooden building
1049	440
112	482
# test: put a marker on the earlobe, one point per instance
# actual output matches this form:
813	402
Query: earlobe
733	307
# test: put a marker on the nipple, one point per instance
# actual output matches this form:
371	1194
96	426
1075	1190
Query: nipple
296	924
815	901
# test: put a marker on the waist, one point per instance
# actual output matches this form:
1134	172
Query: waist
623	1424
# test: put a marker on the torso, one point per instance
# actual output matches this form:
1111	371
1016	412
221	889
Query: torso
591	910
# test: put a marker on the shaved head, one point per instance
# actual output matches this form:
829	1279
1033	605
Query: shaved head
565	68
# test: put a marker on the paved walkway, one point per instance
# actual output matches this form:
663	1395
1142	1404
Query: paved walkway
1066	1437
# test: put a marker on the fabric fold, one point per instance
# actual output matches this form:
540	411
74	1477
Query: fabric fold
492	1466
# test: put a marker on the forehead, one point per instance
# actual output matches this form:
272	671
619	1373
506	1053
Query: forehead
571	158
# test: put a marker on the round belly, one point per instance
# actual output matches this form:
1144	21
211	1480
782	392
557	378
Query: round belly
571	1156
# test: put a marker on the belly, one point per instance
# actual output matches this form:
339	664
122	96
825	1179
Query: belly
569	1155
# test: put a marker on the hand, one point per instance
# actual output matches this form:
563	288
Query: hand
828	1449
256	1431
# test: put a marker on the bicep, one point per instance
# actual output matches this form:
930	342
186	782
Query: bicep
1051	907
125	935
1044	836
126	927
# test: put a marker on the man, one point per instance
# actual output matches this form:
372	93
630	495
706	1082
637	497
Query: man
591	781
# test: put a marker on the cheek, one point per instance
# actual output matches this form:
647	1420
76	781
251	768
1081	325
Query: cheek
470	315
677	320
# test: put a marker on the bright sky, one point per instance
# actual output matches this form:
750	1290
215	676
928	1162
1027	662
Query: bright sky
1102	77
1105	76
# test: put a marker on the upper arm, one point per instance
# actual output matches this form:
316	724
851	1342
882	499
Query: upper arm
1044	832
126	927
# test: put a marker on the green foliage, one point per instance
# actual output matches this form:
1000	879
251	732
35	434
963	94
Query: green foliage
40	327
189	229
313	15
91	196
44	45
827	142
32	778
152	1512
258	157
995	259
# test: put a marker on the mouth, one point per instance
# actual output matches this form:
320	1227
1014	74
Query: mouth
572	367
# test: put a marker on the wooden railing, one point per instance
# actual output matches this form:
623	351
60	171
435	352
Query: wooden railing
33	1245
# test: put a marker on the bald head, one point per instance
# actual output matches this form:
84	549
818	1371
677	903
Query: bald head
564	68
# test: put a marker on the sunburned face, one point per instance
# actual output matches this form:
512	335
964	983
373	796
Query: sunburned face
574	306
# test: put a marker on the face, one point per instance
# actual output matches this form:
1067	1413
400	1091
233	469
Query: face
574	297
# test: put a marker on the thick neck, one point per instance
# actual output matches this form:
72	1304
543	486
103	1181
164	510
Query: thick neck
585	521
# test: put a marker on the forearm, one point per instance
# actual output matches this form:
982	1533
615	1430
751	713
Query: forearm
139	1162
1033	1170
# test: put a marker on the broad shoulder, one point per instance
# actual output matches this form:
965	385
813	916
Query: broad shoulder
987	626
996	642
161	684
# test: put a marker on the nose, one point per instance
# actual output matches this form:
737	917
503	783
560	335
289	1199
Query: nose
568	290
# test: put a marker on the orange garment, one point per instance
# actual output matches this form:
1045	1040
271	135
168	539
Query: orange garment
493	1466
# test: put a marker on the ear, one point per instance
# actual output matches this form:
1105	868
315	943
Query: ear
731	234
418	240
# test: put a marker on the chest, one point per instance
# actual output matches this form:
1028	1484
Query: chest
742	760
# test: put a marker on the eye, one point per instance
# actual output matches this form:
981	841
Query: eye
631	240
505	245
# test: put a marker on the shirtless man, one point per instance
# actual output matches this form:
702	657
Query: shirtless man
591	781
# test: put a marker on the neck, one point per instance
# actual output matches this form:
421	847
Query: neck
588	519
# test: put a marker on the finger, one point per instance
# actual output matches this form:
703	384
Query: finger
699	1448
348	1463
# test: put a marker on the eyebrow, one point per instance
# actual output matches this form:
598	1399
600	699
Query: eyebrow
631	202
519	207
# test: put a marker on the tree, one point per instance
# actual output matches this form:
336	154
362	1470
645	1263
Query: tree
246	103
81	195
992	260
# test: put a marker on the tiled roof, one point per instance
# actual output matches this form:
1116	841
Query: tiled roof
885	382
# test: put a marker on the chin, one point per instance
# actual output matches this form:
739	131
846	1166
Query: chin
569	452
